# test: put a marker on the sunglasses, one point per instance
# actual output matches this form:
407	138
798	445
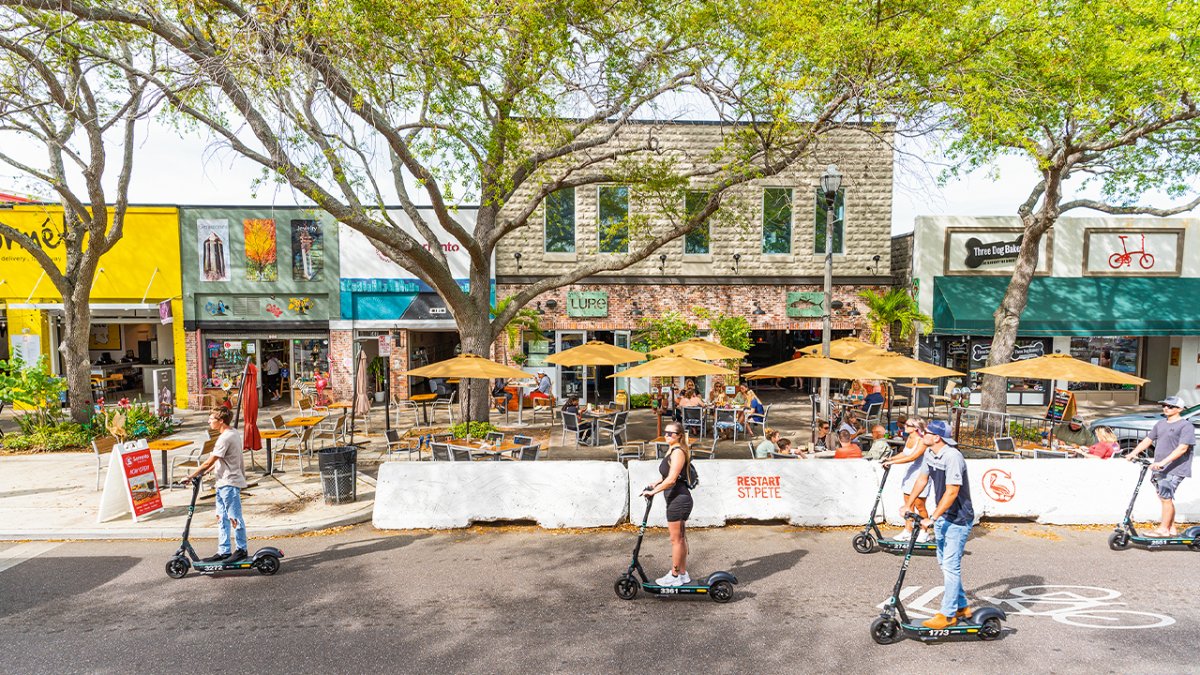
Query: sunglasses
670	433
910	426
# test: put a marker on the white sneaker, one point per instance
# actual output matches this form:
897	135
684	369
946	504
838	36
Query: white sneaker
904	535
684	579
923	537
669	580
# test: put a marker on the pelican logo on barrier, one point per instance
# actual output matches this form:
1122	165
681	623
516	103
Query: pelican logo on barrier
999	485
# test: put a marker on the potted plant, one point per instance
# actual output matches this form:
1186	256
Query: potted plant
377	369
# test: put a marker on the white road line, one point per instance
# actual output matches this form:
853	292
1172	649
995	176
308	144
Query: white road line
18	554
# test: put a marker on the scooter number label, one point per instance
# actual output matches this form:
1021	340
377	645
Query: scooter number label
668	591
939	633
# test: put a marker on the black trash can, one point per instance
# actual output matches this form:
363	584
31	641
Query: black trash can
339	466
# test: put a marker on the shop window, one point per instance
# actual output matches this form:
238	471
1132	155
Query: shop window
308	357
777	221
821	221
224	361
560	221
613	209
696	242
1118	353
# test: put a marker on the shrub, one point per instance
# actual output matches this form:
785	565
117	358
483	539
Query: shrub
639	401
51	438
472	429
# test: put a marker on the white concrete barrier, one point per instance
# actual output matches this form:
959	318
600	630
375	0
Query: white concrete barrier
802	492
411	495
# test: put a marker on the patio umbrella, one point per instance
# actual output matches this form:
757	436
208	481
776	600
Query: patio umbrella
899	366
362	402
596	353
470	366
816	366
701	349
673	366
846	349
1061	367
251	440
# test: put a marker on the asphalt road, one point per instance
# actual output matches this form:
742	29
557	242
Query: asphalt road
524	600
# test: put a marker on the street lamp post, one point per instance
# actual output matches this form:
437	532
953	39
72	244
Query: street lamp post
831	182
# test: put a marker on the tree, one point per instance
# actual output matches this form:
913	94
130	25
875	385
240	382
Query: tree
83	112
526	320
356	105
1097	93
894	313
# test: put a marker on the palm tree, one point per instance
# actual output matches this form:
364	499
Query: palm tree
895	312
526	321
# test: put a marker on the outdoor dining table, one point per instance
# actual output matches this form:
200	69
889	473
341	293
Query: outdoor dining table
165	446
423	400
303	422
493	451
593	416
268	435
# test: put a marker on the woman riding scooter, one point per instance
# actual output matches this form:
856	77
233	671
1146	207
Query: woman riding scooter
679	503
913	454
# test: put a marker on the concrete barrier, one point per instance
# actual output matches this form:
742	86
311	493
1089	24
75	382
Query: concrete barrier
802	492
441	495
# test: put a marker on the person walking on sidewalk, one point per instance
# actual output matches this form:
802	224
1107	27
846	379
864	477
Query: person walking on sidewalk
951	519
226	462
1173	440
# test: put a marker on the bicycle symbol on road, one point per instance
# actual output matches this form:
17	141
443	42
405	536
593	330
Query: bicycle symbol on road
1125	257
1081	606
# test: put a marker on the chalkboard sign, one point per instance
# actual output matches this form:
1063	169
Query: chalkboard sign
1004	444
1062	406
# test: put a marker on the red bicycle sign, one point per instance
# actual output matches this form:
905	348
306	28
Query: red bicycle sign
1125	257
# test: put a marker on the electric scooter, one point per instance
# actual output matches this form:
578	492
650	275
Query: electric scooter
718	585
886	629
265	559
1126	535
871	539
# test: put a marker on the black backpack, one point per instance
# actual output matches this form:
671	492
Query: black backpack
691	477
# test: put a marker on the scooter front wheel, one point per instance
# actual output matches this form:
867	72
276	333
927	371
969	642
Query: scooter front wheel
177	568
884	630
721	591
1118	541
626	588
991	629
864	543
268	565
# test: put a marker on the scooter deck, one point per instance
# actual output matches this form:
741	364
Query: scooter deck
687	589
1154	542
922	633
243	564
901	545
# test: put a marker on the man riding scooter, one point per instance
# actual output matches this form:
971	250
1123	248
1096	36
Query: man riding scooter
951	519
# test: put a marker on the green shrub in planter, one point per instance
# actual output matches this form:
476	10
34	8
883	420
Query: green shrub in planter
472	429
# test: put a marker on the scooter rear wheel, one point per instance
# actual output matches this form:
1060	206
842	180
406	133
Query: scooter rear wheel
268	565
864	543
991	629
626	587
885	631
177	568
1118	541
721	591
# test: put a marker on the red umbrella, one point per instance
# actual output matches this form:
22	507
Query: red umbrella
250	438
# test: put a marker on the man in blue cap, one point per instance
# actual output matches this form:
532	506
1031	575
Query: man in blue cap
951	519
1173	439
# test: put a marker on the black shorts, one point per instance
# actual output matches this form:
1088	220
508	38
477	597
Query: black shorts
679	508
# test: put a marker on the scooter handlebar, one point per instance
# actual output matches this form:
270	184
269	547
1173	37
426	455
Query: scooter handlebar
913	516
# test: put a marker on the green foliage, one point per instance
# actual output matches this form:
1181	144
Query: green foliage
32	386
472	429
731	331
54	437
897	310
639	401
1021	432
376	369
660	331
526	320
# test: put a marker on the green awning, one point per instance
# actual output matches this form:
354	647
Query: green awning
1087	306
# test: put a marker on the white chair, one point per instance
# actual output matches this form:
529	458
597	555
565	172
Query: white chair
751	422
192	461
445	403
100	448
301	450
407	414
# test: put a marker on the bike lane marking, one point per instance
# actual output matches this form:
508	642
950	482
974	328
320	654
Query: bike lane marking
11	557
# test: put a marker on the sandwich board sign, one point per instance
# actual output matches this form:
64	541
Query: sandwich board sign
131	485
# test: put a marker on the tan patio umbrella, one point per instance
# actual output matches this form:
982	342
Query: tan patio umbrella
816	366
846	349
1061	367
596	353
898	366
701	349
470	366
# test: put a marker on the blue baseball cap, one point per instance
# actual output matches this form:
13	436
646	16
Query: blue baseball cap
941	429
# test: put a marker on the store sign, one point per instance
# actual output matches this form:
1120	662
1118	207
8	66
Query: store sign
587	303
385	345
1021	352
989	251
805	304
1117	252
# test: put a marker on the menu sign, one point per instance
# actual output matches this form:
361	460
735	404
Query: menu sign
131	485
990	251
1062	406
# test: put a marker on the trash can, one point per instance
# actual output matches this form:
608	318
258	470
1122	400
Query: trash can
339	467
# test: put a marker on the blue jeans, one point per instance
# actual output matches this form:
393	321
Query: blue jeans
951	541
229	507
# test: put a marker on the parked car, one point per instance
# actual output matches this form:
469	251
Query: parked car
1131	429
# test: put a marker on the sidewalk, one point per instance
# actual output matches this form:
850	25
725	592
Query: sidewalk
54	497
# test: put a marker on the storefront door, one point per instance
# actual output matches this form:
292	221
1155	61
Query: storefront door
570	381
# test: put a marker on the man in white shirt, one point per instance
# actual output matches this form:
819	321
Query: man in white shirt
226	460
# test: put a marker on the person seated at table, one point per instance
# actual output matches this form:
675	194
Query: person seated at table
755	412
897	427
880	448
572	406
847	448
857	392
785	448
716	395
544	386
689	383
689	399
769	444
822	434
739	396
1074	435
851	424
874	394
499	391
1105	447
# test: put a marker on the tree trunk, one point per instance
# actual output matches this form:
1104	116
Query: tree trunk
476	336
1008	315
74	350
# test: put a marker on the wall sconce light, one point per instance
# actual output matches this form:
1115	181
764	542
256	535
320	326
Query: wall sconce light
635	309
836	304
662	263
874	270
551	304
538	307
737	257
758	310
517	257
